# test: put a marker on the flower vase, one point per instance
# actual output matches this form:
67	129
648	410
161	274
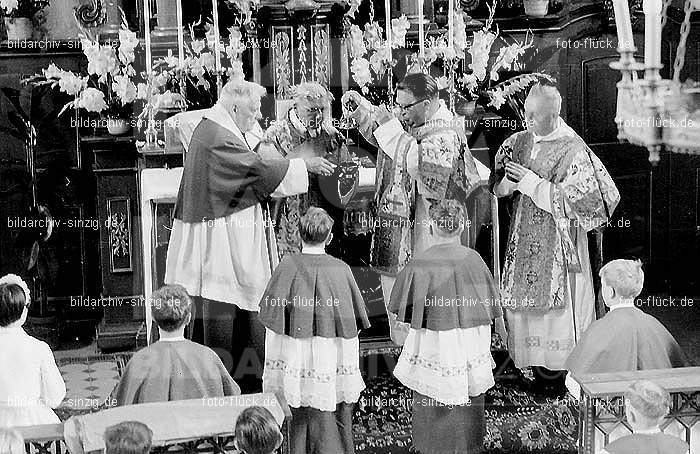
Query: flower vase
19	28
118	126
536	8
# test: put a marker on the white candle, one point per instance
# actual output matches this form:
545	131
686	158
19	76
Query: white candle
451	23
147	34
623	24
652	32
387	18
180	36
217	44
421	38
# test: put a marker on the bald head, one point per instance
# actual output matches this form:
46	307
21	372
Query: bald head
242	101
542	108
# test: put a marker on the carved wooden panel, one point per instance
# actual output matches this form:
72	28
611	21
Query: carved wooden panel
118	224
299	54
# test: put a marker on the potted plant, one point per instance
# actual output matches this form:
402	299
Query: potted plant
18	17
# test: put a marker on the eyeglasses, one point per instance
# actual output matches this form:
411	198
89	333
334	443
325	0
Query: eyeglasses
408	106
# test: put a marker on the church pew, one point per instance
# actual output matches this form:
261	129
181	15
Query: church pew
601	406
56	438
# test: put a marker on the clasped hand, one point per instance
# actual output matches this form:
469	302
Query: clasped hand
515	172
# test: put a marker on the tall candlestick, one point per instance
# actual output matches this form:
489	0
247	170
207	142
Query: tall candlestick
421	37
625	39
451	23
217	45
652	32
147	35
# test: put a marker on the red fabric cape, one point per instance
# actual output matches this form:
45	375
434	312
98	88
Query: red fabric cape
626	339
313	295
445	287
176	370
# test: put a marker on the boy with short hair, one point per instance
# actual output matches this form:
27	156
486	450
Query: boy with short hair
312	311
128	437
625	339
448	299
257	432
173	368
646	406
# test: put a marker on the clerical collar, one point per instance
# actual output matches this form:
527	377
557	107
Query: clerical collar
172	339
561	130
218	114
622	305
652	431
441	118
316	250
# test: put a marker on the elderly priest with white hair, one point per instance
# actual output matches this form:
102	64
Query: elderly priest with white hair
219	248
562	191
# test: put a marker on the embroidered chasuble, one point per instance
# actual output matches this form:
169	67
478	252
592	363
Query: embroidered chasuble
289	138
547	285
428	163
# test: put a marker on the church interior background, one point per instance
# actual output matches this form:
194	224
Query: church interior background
106	181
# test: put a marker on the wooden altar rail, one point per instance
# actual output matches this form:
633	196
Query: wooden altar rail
602	414
48	439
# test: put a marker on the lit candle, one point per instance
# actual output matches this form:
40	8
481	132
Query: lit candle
421	38
652	32
180	36
147	34
451	22
217	45
623	24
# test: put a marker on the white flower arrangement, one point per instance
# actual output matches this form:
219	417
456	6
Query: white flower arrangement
380	59
478	81
108	87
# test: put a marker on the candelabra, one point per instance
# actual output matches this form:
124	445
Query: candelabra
659	114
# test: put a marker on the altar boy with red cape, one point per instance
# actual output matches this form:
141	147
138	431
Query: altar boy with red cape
311	310
448	297
626	338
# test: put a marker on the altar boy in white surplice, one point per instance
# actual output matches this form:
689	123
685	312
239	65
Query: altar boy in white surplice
448	298
218	246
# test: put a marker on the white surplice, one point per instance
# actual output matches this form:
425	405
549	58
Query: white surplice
227	259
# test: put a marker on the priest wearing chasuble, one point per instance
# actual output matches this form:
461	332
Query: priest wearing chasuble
562	191
220	242
424	158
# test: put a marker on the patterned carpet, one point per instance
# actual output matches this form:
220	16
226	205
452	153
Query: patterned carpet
89	381
517	421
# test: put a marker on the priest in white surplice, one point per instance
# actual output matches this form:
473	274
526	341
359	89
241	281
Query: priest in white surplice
219	247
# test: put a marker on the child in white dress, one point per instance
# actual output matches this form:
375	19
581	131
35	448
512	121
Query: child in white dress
30	382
